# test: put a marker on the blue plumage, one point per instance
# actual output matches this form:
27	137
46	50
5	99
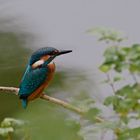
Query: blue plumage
34	77
41	52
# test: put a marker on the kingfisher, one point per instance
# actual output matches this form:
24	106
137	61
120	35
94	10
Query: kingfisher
38	74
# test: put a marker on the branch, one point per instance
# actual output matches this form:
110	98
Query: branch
111	83
14	90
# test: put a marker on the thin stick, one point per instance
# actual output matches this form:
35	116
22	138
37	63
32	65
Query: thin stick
14	90
111	83
62	103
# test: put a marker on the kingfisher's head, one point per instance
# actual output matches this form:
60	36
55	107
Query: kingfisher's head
43	54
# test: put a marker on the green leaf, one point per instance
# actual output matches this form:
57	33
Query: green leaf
10	122
125	119
105	68
130	134
110	54
4	131
75	125
124	91
133	68
117	78
106	34
109	100
92	113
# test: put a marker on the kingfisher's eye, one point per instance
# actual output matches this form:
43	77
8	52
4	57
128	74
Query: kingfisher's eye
54	52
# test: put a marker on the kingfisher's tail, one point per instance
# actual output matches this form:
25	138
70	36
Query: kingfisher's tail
24	103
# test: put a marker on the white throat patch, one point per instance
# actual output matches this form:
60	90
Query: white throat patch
38	63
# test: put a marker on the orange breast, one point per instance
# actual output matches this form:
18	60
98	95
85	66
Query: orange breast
39	90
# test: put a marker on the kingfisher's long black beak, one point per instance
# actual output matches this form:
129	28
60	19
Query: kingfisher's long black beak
64	52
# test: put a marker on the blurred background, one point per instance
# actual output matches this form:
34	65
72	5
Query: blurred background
28	25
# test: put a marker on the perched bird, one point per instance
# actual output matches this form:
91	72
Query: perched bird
38	74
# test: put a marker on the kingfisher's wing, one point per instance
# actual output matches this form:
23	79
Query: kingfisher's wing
32	79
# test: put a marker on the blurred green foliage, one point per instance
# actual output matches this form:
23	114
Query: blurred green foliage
125	101
130	134
107	34
9	126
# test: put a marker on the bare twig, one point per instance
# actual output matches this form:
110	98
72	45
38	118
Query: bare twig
111	83
62	103
14	90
